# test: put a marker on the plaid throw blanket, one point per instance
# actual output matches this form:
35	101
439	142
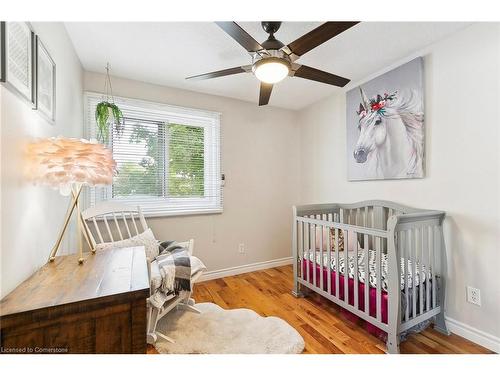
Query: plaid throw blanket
175	267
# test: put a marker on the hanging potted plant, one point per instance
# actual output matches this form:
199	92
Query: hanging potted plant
108	113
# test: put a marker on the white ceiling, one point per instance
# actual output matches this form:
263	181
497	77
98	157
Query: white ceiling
165	53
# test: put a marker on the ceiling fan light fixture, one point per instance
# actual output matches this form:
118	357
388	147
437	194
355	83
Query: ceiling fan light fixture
271	69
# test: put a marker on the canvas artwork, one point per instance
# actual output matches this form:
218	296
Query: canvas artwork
385	125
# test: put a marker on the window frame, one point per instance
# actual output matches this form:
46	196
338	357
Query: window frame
212	201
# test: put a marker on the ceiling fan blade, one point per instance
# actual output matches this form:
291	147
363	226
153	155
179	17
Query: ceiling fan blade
220	73
241	36
318	36
318	75
265	93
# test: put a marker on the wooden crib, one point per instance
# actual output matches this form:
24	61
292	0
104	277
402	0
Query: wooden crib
400	251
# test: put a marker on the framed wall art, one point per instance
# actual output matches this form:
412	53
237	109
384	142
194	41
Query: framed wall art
2	51
17	58
45	82
385	125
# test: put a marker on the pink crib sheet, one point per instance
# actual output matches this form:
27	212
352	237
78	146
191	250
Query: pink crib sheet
372	296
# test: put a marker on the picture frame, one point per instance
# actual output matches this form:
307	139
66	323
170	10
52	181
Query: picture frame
17	58
385	125
2	51
45	81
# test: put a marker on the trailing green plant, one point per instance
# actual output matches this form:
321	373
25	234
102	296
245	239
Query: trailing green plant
107	114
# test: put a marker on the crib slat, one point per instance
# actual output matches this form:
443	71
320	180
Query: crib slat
416	253
126	224
300	233
107	228
413	272
420	270
117	226
367	275
303	248
427	269
329	257
321	260
97	230
346	266
313	247
337	268
433	265
399	245
356	279
406	243
378	275
373	218
307	234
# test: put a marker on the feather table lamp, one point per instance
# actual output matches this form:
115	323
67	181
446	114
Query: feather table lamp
68	164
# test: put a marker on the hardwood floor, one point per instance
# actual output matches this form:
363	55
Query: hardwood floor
318	320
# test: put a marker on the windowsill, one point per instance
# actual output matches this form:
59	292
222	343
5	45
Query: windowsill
215	211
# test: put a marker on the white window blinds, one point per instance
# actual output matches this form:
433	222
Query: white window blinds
168	158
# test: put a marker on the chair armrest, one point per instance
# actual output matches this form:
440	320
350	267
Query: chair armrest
196	276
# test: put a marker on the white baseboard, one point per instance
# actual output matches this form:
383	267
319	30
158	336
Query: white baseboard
217	274
472	334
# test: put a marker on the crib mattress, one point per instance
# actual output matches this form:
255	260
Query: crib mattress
419	274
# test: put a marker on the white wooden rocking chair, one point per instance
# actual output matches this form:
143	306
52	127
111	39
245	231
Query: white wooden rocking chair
110	220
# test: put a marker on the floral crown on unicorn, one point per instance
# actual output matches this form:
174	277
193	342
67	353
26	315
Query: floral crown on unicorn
374	104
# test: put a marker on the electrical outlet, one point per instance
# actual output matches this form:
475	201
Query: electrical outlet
473	296
241	248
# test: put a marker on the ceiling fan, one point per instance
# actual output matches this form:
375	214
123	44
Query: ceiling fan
272	61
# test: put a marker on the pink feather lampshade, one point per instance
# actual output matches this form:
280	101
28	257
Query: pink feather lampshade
67	164
62	162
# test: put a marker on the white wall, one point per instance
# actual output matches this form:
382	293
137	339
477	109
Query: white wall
32	215
462	98
260	161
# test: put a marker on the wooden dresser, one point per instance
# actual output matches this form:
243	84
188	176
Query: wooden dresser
96	307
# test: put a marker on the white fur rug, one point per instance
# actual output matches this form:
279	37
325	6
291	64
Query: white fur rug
219	331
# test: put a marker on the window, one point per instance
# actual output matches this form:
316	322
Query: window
168	158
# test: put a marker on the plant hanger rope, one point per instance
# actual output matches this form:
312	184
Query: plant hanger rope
107	112
108	88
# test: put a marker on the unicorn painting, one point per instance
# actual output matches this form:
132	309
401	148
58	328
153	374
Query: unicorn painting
386	126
